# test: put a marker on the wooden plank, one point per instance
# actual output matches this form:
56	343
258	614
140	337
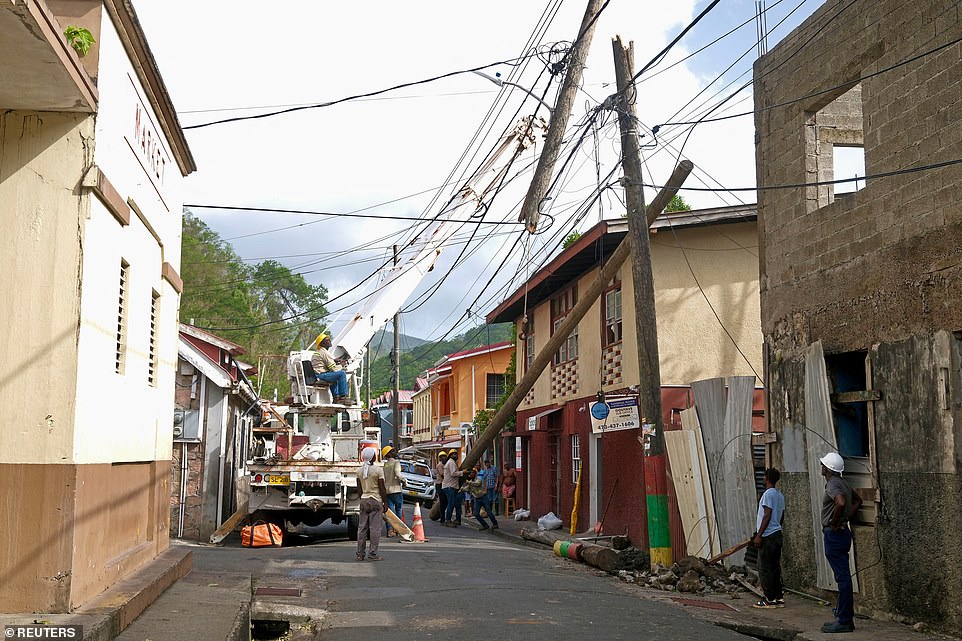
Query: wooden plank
228	526
764	438
686	475
738	519
819	440
689	421
861	396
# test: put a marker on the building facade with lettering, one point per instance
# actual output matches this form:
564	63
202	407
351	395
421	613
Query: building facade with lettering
93	162
705	268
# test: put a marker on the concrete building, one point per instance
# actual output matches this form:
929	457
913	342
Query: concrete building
215	407
873	279
461	384
706	295
421	425
93	160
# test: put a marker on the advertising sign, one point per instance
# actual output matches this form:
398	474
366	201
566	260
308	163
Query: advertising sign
614	415
517	452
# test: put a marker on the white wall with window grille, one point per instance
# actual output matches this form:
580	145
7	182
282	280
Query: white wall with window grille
152	349
575	458
123	303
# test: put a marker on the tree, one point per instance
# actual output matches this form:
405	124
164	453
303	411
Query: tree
266	308
571	239
677	203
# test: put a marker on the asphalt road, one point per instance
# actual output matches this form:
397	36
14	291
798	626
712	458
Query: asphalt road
462	584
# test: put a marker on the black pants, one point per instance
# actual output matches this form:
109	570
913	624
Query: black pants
770	565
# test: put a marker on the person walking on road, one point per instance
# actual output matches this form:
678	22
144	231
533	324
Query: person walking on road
450	485
839	504
491	484
768	540
392	483
373	502
479	494
439	494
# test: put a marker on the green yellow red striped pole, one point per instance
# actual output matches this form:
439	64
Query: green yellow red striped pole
656	498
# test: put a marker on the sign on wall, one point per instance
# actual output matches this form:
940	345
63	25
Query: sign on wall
614	415
532	423
517	452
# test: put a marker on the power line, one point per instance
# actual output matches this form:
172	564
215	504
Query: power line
820	183
808	96
512	61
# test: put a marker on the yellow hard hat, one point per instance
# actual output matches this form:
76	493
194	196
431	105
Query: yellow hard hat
453	452
319	339
385	450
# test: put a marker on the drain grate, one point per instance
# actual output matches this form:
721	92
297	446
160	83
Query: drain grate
711	605
277	592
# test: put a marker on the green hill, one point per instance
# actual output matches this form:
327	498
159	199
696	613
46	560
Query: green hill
423	356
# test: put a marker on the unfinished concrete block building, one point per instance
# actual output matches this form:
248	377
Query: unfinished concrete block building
861	292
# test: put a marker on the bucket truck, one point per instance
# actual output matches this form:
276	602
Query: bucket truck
306	456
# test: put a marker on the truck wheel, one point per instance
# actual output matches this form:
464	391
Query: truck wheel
352	522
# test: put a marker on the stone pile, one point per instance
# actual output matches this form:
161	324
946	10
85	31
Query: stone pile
692	575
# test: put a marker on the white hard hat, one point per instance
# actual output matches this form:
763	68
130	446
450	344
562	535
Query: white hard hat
833	462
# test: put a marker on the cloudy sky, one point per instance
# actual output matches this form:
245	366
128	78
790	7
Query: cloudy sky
398	154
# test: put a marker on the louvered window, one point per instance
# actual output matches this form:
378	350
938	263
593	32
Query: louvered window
152	355
120	357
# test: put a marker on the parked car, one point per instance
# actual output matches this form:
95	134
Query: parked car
417	482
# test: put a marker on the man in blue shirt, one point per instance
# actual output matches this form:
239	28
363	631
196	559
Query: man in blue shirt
491	483
768	540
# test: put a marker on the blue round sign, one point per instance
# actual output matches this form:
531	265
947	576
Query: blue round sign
600	411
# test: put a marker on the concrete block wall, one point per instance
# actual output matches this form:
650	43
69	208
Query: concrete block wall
879	270
910	116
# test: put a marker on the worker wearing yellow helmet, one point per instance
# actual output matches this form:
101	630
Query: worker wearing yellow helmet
450	485
329	370
392	482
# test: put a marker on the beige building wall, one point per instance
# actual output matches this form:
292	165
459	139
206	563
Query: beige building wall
698	272
84	460
422	416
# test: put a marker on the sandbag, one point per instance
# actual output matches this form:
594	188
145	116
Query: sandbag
435	513
262	534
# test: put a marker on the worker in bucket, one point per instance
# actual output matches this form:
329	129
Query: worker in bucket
330	370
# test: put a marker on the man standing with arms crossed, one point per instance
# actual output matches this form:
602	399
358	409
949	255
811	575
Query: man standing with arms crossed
839	504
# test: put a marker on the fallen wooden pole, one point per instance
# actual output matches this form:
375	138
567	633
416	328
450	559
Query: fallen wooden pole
228	526
597	556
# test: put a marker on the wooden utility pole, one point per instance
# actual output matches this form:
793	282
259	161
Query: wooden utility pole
396	364
608	271
646	329
531	208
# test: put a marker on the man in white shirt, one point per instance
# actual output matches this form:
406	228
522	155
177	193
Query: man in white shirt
373	502
450	486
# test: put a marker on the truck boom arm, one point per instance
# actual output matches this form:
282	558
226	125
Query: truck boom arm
397	282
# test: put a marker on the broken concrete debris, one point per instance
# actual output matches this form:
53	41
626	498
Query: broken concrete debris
692	575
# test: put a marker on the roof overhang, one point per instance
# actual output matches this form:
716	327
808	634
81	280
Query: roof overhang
40	71
232	348
206	366
594	247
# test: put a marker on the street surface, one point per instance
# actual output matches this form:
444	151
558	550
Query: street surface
462	584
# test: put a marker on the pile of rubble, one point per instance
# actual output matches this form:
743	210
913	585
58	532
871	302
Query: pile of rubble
693	575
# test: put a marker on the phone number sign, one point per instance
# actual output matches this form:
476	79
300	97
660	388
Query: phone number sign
614	415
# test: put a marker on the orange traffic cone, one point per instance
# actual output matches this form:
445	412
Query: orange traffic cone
418	527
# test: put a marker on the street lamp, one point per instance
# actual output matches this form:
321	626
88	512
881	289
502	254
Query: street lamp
496	79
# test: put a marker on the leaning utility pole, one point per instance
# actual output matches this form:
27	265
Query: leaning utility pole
396	364
531	208
646	329
607	272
